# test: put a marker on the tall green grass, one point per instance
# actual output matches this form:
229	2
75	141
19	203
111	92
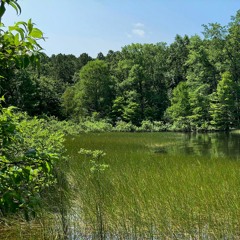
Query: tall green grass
158	186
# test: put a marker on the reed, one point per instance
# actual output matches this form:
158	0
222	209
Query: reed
156	186
147	194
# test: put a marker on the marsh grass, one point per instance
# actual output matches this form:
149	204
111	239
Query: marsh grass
157	186
177	193
18	229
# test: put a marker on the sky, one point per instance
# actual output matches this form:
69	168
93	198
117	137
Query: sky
93	26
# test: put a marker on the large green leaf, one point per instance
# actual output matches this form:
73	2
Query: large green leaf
36	33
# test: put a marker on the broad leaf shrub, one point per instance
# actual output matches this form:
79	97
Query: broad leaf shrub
29	150
95	126
122	126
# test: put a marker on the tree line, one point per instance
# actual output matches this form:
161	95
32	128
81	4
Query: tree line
192	84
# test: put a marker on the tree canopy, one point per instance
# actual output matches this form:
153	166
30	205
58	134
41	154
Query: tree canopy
180	83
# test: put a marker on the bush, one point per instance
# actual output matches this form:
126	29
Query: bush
95	126
159	126
146	126
182	124
29	150
122	126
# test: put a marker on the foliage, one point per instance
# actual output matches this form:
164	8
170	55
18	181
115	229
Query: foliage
223	104
178	53
177	84
95	126
19	49
29	151
92	93
122	126
180	106
95	156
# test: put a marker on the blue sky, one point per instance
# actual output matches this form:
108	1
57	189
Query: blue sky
93	26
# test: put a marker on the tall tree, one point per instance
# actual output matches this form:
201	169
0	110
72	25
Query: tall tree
180	108
200	68
223	103
142	71
82	60
94	91
200	104
63	67
177	55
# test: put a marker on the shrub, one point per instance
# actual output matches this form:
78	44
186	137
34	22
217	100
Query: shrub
29	150
146	126
122	126
95	126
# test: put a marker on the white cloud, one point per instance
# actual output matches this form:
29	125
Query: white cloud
138	32
138	25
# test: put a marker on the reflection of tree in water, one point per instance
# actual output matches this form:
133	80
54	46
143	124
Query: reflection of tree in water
210	144
213	144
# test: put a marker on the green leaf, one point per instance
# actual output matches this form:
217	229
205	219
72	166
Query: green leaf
2	9
30	25
32	41
16	39
16	6
17	29
2	99
36	33
47	166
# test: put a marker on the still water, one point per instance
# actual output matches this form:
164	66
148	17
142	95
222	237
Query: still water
152	186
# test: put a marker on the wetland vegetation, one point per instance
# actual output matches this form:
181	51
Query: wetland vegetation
158	186
147	186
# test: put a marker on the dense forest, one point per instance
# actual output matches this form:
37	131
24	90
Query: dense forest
191	84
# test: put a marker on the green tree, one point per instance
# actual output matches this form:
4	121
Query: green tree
232	50
19	47
118	109
132	109
200	105
200	68
49	92
68	104
142	70
180	108
63	67
82	60
177	55
223	104
94	90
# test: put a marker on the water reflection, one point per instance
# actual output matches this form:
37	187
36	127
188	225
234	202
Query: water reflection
208	144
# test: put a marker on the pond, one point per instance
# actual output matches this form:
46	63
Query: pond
154	186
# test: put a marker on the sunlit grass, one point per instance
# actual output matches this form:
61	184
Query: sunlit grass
156	194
